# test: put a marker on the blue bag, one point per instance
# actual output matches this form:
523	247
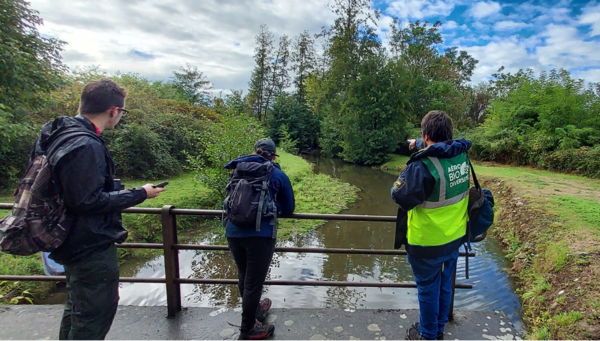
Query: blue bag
51	268
483	218
481	215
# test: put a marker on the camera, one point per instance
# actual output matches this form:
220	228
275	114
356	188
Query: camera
117	185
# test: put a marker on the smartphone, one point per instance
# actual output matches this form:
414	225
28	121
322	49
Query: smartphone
162	184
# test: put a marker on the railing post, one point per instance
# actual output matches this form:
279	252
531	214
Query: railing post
451	311
171	256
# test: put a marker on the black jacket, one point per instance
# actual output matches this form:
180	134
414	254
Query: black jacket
84	172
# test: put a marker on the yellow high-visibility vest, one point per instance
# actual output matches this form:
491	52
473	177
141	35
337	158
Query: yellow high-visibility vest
442	218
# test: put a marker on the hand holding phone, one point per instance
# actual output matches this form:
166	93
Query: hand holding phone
152	191
162	184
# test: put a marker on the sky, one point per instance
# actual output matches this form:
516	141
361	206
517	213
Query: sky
155	37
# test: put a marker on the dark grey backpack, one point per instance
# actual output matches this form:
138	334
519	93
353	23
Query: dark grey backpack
248	199
38	221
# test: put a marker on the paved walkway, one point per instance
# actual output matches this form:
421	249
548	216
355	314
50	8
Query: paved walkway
132	322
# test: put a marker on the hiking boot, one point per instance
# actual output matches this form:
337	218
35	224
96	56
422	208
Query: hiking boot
259	332
414	334
263	309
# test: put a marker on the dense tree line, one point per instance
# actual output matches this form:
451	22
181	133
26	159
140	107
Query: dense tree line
355	98
339	90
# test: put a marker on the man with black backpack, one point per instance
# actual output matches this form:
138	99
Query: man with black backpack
83	171
258	192
432	195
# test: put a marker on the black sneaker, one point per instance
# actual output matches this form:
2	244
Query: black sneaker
440	336
263	309
259	332
413	333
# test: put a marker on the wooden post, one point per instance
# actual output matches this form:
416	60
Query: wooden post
171	256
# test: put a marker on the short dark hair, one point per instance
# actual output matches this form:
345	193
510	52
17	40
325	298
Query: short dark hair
99	96
437	125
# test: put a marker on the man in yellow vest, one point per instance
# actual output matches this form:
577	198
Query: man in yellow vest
432	195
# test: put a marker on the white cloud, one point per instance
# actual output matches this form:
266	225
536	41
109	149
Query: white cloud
591	75
509	25
591	16
217	36
450	25
480	26
565	48
419	9
483	9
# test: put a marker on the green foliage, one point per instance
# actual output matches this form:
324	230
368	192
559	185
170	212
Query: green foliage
286	142
142	153
31	67
374	119
31	64
233	136
22	292
191	85
300	122
551	122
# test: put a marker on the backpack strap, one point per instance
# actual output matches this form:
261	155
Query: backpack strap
473	172
263	193
63	138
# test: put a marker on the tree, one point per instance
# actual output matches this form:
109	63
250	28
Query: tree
352	39
31	64
30	67
259	80
300	123
192	85
279	78
232	137
303	61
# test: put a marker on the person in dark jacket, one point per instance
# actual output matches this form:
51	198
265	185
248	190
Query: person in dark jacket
252	248
84	172
432	197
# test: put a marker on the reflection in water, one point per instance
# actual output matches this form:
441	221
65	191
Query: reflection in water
492	288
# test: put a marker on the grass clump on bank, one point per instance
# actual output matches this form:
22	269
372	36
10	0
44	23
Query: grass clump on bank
396	164
314	193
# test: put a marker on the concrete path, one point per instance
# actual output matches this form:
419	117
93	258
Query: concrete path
133	322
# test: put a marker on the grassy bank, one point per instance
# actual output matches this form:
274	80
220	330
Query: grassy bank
549	224
314	193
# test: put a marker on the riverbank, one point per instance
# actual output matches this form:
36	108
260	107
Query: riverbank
314	193
549	224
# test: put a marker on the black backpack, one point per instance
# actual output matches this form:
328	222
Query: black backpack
248	199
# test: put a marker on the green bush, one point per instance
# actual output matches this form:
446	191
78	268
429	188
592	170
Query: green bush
141	153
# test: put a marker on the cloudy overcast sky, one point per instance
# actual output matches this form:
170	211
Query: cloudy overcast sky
155	37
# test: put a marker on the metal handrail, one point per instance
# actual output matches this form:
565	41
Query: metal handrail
171	247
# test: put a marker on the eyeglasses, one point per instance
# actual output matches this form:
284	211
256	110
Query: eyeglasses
123	111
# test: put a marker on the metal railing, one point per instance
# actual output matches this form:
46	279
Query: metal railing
171	247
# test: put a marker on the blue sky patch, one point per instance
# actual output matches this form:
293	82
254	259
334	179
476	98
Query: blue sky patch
142	55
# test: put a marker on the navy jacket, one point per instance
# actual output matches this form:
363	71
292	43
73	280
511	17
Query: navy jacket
84	172
280	189
413	187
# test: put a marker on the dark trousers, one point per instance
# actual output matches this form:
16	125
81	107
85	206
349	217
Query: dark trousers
435	291
252	256
93	296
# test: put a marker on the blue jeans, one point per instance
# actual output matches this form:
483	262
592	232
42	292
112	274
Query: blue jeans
435	291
